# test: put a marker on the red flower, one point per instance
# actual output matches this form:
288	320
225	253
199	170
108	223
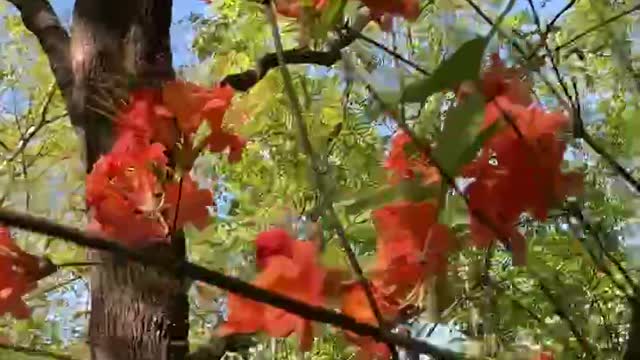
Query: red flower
525	154
543	355
146	120
193	104
299	277
405	166
293	8
275	242
409	9
19	273
220	140
356	304
192	205
411	245
498	80
126	197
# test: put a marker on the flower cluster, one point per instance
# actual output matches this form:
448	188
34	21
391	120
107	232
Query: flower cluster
523	153
133	194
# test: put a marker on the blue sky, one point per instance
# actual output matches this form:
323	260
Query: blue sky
181	32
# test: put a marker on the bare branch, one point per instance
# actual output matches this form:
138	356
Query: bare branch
215	278
246	80
32	131
39	17
394	54
566	8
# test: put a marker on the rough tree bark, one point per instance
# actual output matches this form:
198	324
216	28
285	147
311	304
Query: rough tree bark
632	351
135	312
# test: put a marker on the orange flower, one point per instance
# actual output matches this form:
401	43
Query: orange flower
275	242
192	104
19	273
404	166
293	8
298	276
525	154
411	245
146	120
190	202
543	355
499	80
409	9
126	197
356	305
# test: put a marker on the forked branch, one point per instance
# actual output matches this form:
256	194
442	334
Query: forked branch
42	21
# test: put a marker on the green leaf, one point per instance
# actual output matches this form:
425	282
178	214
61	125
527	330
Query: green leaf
460	139
455	211
463	65
333	256
332	13
363	233
484	135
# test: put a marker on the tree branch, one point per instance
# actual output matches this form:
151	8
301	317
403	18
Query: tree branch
247	79
229	283
42	21
596	27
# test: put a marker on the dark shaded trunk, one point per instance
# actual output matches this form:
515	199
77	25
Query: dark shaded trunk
135	312
632	351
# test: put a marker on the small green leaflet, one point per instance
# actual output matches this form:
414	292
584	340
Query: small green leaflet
460	139
484	135
463	65
333	256
332	13
455	211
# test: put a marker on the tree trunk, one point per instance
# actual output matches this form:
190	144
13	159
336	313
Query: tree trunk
135	312
632	352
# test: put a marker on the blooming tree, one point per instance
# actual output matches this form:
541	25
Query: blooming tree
462	204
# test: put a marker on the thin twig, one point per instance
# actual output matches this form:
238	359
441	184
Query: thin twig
26	136
626	175
596	27
599	266
580	216
560	311
79	264
557	17
549	28
581	132
54	287
394	54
